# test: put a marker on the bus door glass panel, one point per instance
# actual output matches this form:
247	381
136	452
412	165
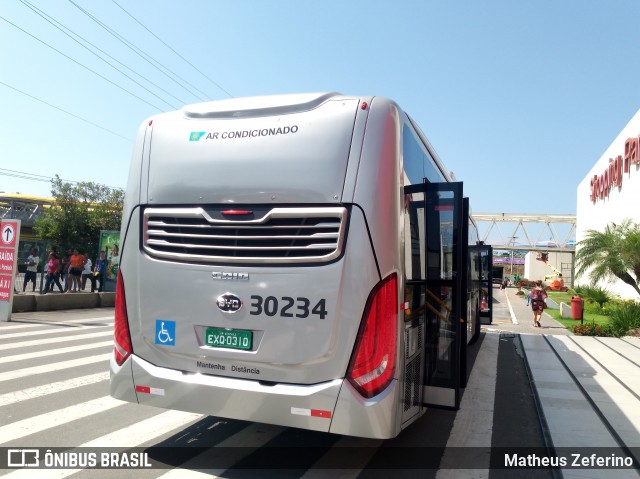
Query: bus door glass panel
469	301
414	302
441	289
446	293
415	251
485	258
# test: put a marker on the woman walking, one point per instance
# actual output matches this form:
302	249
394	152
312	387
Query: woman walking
538	295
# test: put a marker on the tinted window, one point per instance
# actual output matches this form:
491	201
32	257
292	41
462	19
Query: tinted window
418	163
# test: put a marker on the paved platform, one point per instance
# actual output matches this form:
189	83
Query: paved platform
587	388
30	301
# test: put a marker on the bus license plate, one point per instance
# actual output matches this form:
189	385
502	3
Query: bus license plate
228	338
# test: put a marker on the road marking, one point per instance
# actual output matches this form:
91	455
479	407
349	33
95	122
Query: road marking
514	319
51	388
39	342
42	422
228	452
26	334
361	451
146	430
48	368
53	352
37	323
130	436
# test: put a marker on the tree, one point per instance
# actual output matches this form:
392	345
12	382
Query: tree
612	253
78	214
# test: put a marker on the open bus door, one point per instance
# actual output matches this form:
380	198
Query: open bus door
437	286
485	255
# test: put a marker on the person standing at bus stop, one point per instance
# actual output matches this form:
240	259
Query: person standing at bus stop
76	265
87	272
32	269
53	273
99	272
64	269
538	295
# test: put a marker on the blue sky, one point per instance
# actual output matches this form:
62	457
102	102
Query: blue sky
520	99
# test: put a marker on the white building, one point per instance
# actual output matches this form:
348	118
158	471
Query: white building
611	193
556	264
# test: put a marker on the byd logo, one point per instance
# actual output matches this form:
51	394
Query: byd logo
229	303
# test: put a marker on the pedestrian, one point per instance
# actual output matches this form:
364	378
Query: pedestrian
99	271
53	273
64	269
32	269
87	272
538	295
76	265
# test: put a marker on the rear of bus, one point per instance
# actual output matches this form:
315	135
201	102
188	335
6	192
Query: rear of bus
260	264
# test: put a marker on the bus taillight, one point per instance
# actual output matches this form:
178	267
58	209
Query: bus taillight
373	363
122	339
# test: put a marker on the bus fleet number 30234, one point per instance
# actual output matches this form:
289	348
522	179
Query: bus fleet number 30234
287	307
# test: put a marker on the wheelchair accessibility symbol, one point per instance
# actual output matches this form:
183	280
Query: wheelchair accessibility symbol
165	332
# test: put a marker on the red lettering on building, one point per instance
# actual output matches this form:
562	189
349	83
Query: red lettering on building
611	177
631	151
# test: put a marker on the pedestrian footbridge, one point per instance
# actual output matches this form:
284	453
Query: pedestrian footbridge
532	232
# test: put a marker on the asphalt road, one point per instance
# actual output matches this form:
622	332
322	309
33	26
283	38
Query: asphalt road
54	394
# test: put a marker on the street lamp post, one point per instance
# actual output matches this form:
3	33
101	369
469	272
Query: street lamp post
513	245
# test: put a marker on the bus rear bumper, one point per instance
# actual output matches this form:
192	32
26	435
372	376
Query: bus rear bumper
332	406
304	406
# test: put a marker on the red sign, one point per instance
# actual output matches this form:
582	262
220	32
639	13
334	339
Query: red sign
6	284
8	233
7	257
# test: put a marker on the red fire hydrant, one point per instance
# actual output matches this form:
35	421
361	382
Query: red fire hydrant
577	307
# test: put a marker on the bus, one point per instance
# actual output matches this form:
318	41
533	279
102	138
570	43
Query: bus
303	260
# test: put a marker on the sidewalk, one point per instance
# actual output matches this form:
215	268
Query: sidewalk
30	301
587	388
512	314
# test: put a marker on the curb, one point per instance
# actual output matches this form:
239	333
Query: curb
26	303
514	320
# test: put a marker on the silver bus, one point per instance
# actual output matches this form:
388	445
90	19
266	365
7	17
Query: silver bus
301	260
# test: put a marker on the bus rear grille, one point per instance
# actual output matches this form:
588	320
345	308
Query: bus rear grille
280	235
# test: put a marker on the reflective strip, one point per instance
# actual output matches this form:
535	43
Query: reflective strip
320	413
149	390
311	412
